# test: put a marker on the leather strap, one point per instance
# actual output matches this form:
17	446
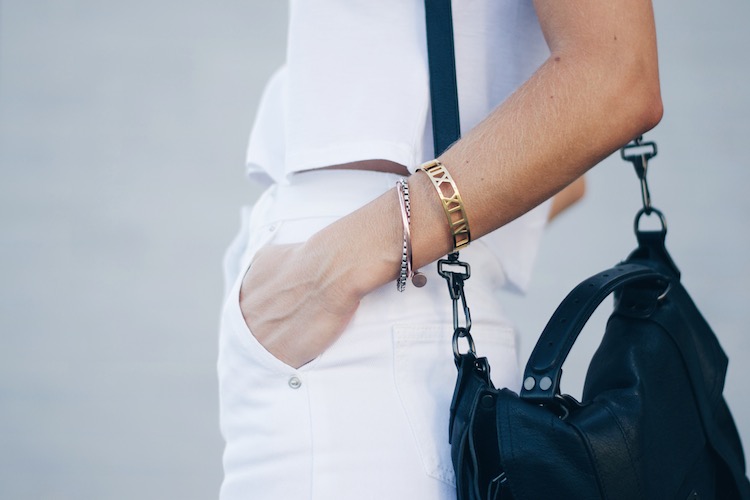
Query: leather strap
446	128
541	380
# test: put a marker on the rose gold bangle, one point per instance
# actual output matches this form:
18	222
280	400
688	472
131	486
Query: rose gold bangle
417	278
453	204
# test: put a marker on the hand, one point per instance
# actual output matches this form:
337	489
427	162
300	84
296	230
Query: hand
294	301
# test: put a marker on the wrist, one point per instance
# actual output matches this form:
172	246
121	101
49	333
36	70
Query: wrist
343	271
361	251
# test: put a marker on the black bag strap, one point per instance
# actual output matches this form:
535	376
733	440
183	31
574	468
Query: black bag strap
446	127
541	379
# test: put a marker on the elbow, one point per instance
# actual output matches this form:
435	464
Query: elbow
651	109
634	106
644	95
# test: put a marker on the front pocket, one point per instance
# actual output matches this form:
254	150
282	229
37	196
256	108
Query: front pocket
265	235
281	232
425	375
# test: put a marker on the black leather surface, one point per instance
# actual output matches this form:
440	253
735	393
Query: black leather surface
652	424
568	320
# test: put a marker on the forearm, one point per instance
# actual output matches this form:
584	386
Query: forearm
577	109
598	89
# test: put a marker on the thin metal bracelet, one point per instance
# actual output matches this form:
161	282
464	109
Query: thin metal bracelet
401	186
453	204
407	271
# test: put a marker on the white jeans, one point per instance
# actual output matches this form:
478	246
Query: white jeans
369	417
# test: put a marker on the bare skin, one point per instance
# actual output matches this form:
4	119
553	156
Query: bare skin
598	89
569	196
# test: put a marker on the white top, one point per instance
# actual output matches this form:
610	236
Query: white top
355	86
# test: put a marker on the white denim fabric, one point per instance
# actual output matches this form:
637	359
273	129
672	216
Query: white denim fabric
367	419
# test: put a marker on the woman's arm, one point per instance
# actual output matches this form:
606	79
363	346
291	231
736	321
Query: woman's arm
598	89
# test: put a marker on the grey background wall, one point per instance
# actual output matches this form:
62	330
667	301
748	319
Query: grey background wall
122	133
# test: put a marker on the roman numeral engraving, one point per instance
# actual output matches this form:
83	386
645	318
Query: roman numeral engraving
452	203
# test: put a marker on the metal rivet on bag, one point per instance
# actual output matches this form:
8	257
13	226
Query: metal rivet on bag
295	383
545	383
488	401
529	383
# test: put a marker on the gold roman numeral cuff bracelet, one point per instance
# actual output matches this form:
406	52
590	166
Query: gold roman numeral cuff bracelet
453	205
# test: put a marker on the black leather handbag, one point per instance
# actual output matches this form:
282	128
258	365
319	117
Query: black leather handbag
652	423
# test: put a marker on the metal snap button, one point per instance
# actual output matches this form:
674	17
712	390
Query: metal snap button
295	382
529	383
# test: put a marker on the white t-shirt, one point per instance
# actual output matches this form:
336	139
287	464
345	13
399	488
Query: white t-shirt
355	86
